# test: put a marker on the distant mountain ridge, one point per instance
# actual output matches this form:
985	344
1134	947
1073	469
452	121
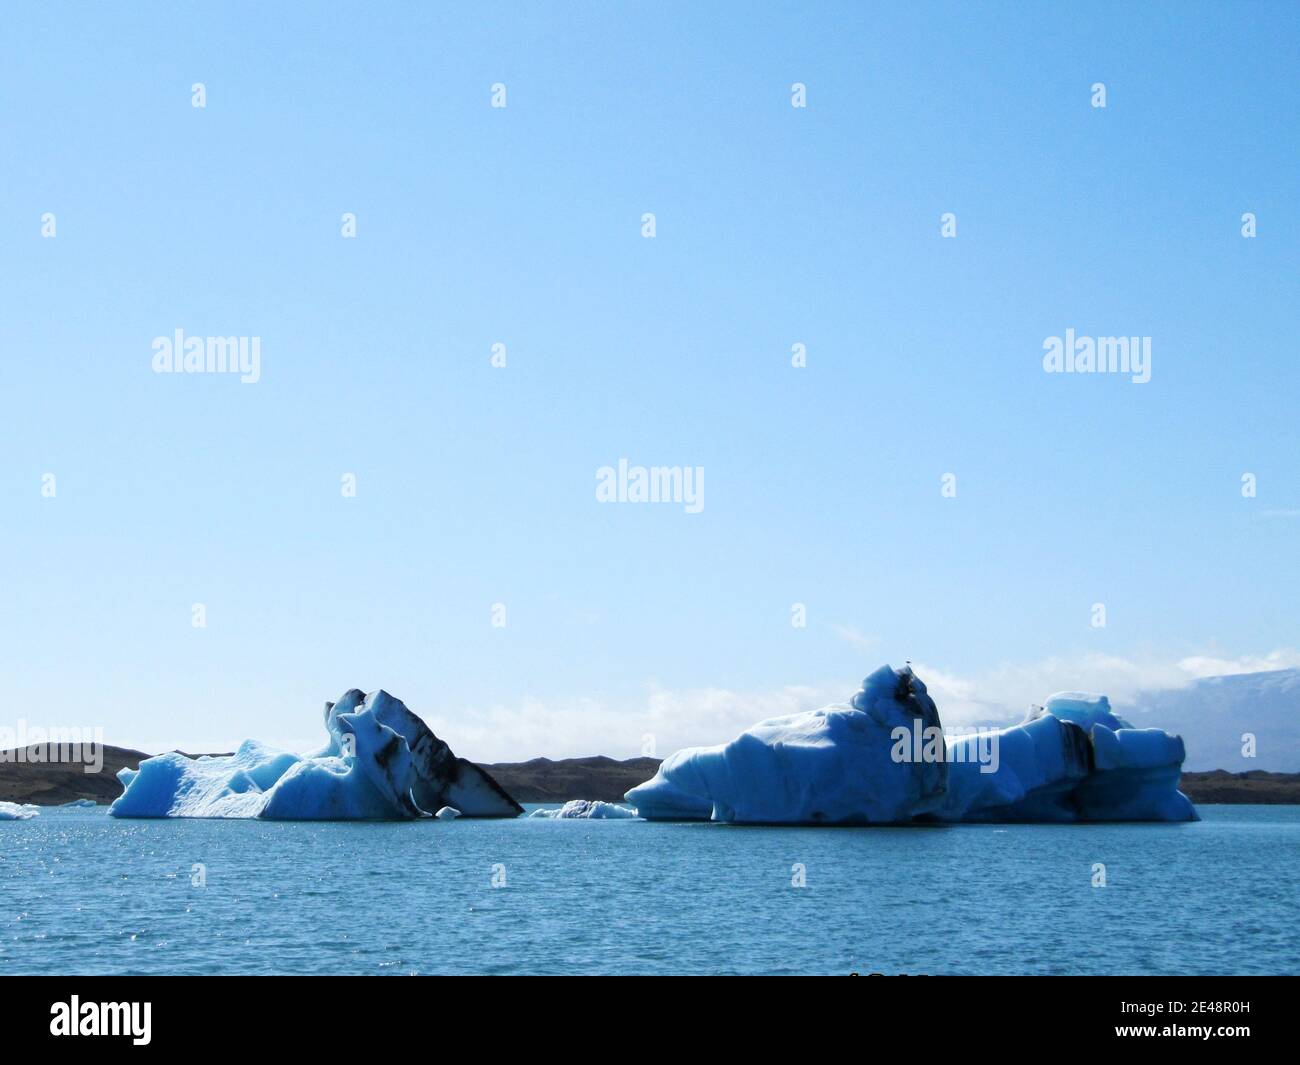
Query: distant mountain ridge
545	781
1213	714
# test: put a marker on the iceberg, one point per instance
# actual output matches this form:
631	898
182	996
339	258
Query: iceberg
828	766
1135	771
13	811
588	809
381	762
882	758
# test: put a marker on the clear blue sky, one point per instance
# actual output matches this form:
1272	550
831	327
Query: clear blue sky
522	225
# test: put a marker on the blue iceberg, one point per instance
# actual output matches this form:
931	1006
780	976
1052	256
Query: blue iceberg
829	766
381	762
883	758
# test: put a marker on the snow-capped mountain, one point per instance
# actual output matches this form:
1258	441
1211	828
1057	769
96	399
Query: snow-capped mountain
1213	714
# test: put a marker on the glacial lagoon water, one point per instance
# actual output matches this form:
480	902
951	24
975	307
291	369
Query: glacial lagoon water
84	893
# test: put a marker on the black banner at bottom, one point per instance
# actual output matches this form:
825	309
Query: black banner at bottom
340	1012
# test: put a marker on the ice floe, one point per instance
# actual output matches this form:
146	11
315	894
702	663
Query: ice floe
590	809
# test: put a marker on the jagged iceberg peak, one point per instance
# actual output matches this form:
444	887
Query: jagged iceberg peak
876	698
883	759
380	762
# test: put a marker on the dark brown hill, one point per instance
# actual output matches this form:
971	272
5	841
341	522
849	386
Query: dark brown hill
547	780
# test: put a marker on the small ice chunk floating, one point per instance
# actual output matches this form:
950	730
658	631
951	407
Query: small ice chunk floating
382	762
587	810
882	758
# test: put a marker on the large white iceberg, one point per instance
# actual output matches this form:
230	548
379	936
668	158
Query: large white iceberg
382	762
14	811
882	758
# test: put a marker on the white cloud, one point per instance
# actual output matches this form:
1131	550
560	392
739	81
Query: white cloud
668	719
698	716
1201	666
1004	692
676	718
854	636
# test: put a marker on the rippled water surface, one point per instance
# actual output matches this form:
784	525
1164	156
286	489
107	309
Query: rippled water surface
84	893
